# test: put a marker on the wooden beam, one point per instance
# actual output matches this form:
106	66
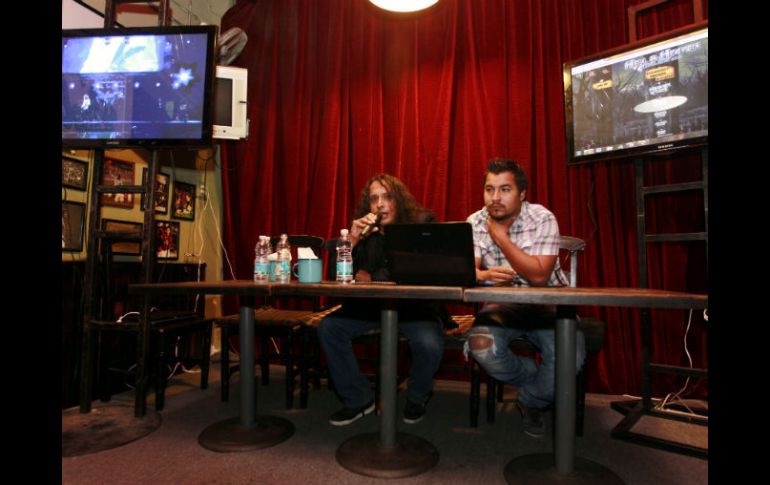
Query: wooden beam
634	10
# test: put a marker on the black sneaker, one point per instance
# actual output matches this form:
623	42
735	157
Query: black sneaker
345	416
532	419
413	412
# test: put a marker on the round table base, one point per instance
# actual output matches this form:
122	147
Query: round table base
231	436
105	427
363	454
540	469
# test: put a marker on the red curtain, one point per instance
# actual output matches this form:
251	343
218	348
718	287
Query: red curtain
339	91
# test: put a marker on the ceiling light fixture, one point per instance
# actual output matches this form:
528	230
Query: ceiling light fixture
403	5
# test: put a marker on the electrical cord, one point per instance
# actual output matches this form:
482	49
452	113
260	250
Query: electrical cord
179	361
672	398
219	238
125	381
662	404
120	319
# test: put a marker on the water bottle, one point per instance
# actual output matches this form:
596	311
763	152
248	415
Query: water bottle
283	263
344	258
261	263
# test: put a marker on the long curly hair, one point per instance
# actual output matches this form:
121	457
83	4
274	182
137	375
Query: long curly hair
408	210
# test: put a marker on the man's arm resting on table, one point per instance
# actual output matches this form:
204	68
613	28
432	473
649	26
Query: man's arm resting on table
536	269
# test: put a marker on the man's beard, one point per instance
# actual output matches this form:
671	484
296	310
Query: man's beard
500	218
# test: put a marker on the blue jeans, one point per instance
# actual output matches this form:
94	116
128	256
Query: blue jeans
503	323
426	342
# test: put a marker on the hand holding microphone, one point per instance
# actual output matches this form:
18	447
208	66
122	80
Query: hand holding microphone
366	230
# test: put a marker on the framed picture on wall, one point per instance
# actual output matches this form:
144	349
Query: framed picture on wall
183	201
118	172
73	218
167	240
74	173
161	191
131	248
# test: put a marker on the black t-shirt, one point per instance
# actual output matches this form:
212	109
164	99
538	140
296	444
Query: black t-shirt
369	255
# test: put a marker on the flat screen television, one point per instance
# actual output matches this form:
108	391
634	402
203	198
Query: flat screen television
230	103
640	98
138	87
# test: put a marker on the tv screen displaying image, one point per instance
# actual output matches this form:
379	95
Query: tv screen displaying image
648	97
146	86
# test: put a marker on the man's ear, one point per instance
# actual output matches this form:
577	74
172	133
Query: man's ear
522	195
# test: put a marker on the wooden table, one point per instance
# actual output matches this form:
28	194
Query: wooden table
387	454
392	454
563	466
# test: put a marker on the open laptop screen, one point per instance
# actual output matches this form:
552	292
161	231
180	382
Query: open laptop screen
436	254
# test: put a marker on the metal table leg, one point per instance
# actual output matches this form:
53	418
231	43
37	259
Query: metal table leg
561	467
387	454
248	431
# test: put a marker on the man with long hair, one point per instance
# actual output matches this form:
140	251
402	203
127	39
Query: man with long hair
384	200
517	243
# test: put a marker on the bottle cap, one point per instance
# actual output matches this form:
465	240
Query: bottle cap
343	232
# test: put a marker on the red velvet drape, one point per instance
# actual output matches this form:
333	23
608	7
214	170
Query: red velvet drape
339	91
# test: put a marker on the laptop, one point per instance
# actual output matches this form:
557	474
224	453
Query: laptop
435	254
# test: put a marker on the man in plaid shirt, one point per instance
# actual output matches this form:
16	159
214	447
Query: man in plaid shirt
517	243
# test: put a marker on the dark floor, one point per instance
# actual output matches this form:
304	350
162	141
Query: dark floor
171	454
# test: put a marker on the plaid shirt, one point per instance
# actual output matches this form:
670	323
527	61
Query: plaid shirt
535	231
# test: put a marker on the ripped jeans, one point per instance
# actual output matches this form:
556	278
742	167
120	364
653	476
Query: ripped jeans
496	325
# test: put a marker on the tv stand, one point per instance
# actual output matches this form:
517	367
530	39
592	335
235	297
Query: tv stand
636	408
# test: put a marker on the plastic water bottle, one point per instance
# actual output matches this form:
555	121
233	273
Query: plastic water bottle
344	258
261	263
283	263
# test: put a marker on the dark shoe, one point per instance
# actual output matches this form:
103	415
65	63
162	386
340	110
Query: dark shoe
345	416
532	419
413	412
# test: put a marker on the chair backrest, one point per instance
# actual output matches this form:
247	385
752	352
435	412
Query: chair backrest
572	245
315	243
330	247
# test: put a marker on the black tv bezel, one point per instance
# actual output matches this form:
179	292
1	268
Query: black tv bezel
652	148
205	140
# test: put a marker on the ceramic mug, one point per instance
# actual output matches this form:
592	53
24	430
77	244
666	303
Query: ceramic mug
308	270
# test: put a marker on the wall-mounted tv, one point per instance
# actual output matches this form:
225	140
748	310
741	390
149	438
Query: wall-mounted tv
641	98
230	106
138	87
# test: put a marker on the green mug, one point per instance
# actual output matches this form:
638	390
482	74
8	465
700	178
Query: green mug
308	270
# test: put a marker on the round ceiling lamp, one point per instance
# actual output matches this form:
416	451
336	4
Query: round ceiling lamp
403	5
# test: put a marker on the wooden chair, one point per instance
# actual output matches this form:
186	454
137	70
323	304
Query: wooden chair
592	329
167	328
175	318
270	324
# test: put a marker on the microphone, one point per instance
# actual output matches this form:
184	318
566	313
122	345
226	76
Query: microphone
369	227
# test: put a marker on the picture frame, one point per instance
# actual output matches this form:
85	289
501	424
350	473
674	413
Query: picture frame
128	248
167	240
162	181
74	173
183	201
73	218
118	172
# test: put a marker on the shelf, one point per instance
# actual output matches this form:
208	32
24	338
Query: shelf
685	236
